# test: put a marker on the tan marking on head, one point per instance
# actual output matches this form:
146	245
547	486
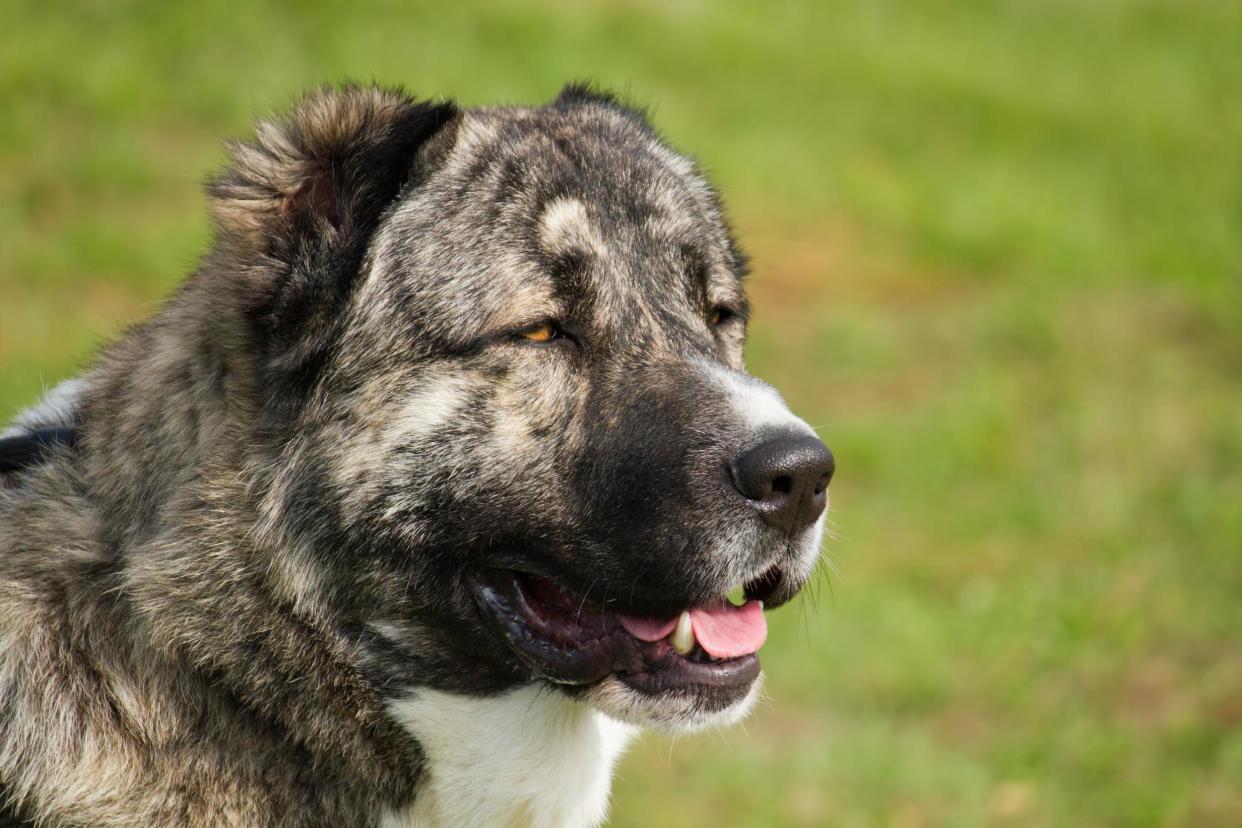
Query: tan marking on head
565	224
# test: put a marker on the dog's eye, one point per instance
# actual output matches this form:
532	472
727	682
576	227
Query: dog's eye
543	332
718	315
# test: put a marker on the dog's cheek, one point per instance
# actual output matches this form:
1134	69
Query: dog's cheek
533	428
393	431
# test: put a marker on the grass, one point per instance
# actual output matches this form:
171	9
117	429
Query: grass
998	258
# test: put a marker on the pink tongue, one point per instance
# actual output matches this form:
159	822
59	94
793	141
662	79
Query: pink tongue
726	631
648	629
723	630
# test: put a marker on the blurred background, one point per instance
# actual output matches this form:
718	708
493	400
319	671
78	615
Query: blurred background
997	262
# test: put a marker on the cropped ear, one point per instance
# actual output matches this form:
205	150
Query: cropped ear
311	186
585	93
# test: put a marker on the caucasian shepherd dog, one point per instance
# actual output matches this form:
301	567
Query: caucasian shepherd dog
419	494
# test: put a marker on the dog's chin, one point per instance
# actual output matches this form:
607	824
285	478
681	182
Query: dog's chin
683	710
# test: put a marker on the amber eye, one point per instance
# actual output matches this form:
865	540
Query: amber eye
543	332
717	315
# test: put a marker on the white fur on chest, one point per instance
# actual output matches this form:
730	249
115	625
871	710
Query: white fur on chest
526	757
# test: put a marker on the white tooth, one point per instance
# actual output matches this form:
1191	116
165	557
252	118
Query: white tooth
682	638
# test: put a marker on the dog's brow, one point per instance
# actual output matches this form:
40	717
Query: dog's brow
528	305
695	268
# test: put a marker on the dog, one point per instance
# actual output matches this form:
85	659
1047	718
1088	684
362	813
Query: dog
424	491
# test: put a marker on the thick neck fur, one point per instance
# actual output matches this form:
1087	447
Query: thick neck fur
147	650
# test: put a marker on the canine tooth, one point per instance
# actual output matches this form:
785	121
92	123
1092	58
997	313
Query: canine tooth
682	637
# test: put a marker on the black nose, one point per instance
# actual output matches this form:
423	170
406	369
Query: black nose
786	479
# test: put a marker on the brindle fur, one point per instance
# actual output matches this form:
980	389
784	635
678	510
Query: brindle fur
208	604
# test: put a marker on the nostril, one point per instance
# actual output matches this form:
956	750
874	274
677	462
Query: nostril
784	477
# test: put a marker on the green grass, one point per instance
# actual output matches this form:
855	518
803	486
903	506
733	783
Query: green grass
998	258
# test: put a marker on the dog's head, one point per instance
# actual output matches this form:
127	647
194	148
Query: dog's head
505	432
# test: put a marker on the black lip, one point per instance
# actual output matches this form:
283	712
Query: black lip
586	645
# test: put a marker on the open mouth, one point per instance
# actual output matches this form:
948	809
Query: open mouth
567	639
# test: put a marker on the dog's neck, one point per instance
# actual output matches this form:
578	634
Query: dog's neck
530	756
162	408
163	428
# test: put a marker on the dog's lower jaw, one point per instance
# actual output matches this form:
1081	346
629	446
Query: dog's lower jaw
530	756
670	711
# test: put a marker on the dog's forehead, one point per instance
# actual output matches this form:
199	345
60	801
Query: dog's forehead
591	174
528	202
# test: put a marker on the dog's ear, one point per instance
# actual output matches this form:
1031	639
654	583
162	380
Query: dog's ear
310	187
294	215
585	93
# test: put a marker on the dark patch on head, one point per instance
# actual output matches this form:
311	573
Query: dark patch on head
694	266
